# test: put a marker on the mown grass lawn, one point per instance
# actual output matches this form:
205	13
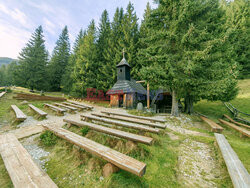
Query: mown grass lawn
215	110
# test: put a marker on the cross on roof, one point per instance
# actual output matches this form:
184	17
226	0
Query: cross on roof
123	53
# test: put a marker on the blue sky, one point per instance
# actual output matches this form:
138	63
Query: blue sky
19	19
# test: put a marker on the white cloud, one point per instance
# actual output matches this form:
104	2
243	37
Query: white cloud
15	14
12	40
49	26
19	16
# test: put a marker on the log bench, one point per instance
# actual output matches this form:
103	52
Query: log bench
76	106
38	111
2	94
235	122
131	120
116	158
135	117
20	116
21	168
80	104
243	131
110	131
238	173
120	123
70	108
214	126
58	110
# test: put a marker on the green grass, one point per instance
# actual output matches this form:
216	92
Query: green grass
7	116
161	159
215	110
70	166
5	180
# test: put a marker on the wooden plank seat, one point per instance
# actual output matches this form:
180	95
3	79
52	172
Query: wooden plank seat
214	126
235	122
80	104
76	106
59	111
110	131
2	94
116	158
131	120
238	173
21	168
38	111
20	116
243	131
120	123
70	108
135	117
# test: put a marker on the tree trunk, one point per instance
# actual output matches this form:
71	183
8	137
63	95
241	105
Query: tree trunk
175	108
189	104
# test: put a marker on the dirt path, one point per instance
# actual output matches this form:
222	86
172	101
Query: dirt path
196	164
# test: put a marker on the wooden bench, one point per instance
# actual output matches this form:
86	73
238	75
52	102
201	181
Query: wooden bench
21	168
237	128
38	111
70	108
121	123
131	120
27	131
76	106
214	126
110	131
2	94
239	175
135	117
59	111
235	122
80	104
20	116
116	158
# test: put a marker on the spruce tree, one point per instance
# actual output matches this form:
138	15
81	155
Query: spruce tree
113	54
130	32
188	51
86	67
237	16
67	79
103	46
59	60
33	60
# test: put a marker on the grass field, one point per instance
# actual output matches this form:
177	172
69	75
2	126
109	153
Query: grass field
215	110
70	166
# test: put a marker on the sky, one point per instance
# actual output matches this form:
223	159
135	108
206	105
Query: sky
20	18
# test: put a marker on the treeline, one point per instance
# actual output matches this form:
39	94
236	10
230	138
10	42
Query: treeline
196	49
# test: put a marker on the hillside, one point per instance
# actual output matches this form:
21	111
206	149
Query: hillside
6	60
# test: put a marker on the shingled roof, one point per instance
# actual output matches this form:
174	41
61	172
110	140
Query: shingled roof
126	86
123	62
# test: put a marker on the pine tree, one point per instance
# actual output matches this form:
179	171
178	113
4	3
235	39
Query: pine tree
67	79
103	45
113	53
59	60
130	31
144	32
189	52
237	16
33	59
86	67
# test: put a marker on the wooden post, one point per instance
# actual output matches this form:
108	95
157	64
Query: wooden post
148	97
